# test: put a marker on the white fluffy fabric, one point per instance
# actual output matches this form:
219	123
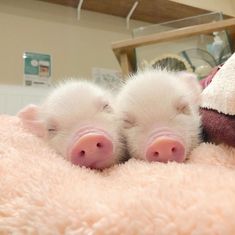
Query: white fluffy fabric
220	95
41	193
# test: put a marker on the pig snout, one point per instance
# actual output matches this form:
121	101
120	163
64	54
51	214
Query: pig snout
165	146
91	148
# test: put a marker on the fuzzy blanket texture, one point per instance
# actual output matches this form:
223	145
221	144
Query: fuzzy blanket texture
41	193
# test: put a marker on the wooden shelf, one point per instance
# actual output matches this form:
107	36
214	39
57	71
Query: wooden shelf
153	11
125	50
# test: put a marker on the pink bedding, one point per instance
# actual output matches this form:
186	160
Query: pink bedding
41	193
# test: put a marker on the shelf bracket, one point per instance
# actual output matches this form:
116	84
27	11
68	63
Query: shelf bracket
79	9
130	14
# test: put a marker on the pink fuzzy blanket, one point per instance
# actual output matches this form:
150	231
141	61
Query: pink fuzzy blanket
41	193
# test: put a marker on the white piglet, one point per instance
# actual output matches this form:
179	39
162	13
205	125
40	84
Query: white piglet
77	119
160	115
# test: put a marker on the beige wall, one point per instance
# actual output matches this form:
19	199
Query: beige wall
75	47
226	6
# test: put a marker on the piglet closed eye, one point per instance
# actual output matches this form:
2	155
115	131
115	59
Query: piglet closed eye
77	119
160	114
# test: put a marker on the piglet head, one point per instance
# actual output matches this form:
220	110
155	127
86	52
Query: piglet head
77	119
160	114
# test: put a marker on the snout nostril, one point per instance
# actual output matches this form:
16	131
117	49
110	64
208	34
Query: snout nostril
156	154
82	153
99	145
173	150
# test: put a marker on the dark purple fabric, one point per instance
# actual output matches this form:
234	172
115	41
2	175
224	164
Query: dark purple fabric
218	127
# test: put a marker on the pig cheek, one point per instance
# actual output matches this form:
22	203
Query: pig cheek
113	126
194	133
135	141
59	143
188	128
109	120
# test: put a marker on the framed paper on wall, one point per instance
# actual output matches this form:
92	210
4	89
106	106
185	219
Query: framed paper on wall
37	69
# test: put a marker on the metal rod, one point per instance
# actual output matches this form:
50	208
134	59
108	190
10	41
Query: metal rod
130	14
79	9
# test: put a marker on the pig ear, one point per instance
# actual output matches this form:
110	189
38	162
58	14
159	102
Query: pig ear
193	84
30	119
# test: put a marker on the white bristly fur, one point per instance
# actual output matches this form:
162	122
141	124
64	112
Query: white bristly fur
154	98
75	103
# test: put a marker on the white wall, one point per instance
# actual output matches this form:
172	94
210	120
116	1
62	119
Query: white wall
13	98
75	47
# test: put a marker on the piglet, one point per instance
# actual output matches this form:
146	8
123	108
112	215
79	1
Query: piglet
77	119
160	115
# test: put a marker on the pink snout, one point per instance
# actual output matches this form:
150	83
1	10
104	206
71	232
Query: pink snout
165	149
93	150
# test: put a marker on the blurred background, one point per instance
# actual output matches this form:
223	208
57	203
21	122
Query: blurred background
43	42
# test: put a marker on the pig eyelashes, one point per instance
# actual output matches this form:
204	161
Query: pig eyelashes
102	104
52	127
182	107
107	108
128	121
52	131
